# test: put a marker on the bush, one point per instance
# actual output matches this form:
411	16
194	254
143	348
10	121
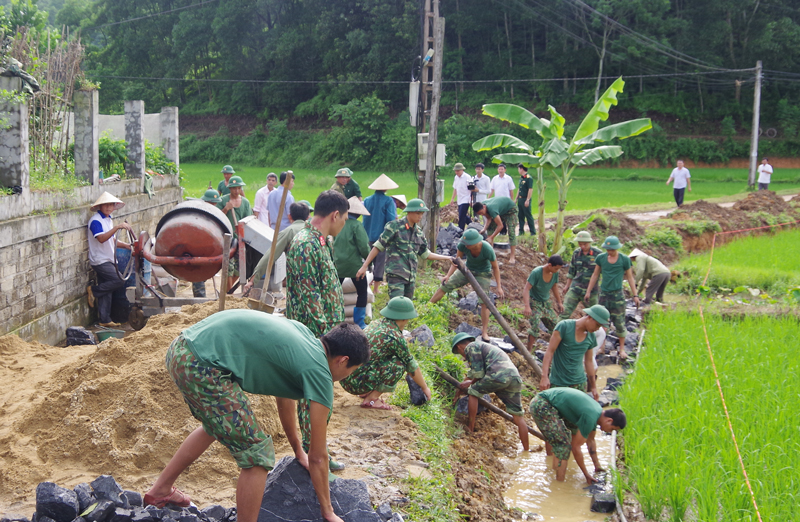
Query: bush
112	154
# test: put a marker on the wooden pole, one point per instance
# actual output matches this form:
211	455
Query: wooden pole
751	176
223	280
429	190
486	404
500	319
286	183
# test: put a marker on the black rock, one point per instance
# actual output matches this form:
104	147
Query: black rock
462	406
605	360
507	339
539	354
230	515
215	512
613	384
543	328
469	303
189	518
468	328
506	347
78	335
85	496
122	515
42	518
79	519
142	515
289	496
384	511
11	517
418	397
102	512
631	342
423	335
106	488
603	502
157	513
192	510
53	501
608	398
397	517
134	498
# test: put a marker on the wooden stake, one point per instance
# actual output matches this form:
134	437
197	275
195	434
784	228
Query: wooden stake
286	182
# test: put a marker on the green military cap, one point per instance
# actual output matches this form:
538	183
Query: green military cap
227	169
471	237
344	171
458	166
211	196
416	205
584	237
599	313
399	308
236	182
306	203
457	338
612	243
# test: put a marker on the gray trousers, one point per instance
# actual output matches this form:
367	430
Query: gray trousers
656	286
108	280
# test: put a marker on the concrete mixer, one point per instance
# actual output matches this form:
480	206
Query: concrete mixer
193	242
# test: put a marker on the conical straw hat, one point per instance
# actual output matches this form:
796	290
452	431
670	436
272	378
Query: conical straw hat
357	207
104	198
636	253
402	199
383	182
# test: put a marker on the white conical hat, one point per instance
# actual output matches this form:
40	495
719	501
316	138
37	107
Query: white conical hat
636	253
383	182
104	198
357	207
401	198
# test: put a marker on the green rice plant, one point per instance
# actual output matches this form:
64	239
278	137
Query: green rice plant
698	228
662	236
769	262
679	451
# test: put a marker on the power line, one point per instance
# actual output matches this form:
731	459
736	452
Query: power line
152	15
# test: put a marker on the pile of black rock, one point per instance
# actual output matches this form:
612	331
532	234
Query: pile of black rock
447	239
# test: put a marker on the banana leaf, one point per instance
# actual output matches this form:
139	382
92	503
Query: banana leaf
529	160
520	116
623	130
599	112
588	157
494	141
554	153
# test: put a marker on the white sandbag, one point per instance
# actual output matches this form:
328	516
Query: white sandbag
348	286
351	297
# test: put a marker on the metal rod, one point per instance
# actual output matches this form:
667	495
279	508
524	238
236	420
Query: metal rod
486	404
268	275
500	319
223	280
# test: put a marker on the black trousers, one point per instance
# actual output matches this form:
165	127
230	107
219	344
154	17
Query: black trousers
463	216
678	193
108	280
361	290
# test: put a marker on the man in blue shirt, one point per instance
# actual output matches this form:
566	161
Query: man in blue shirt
274	202
382	210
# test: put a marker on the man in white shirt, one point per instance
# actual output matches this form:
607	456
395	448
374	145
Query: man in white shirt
682	180
462	194
483	185
260	205
274	202
502	185
764	174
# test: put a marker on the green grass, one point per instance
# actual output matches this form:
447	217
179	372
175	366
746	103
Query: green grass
678	448
768	262
592	188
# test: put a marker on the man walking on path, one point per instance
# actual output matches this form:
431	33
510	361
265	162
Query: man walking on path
274	202
345	184
260	203
558	411
490	370
500	213
235	351
524	201
482	262
502	184
404	244
648	268
227	172
581	268
764	174
382	209
236	207
615	267
542	282
101	236
682	179
462	194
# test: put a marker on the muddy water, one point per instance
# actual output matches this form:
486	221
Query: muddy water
534	488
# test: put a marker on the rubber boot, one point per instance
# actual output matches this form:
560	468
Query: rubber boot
359	313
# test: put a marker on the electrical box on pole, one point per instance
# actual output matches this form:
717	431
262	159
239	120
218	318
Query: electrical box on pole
413	101
422	147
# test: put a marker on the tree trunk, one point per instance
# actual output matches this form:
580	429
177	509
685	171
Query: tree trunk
510	59
540	187
602	60
533	59
460	53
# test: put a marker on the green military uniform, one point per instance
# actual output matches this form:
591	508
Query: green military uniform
389	359
507	210
313	296
581	269
349	190
493	371
559	412
350	248
524	213
480	266
611	294
540	301
567	368
404	245
234	215
648	268
285	237
223	189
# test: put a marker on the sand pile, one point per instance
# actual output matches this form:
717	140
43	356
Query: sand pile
71	414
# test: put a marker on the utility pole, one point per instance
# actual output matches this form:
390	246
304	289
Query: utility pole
751	177
431	86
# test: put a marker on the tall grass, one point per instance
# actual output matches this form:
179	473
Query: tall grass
679	451
769	262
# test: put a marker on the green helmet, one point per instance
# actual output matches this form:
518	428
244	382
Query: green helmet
583	237
227	169
399	308
344	171
416	205
599	313
612	243
211	196
236	182
471	237
457	338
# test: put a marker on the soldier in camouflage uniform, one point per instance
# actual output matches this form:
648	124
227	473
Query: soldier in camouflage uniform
491	370
313	293
346	185
536	297
389	357
581	268
404	244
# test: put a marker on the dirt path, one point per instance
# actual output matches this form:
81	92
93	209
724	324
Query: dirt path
658	214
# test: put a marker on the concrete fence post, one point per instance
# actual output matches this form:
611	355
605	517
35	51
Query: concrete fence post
14	148
134	135
170	135
87	136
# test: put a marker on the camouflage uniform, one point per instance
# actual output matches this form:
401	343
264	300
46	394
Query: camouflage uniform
581	269
404	245
348	190
553	427
389	360
510	222
541	311
313	297
493	371
615	304
458	279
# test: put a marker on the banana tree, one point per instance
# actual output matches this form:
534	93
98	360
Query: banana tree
556	153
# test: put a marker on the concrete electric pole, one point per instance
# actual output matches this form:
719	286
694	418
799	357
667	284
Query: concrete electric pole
751	177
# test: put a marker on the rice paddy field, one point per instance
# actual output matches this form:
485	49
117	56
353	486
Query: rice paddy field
593	188
679	453
767	262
